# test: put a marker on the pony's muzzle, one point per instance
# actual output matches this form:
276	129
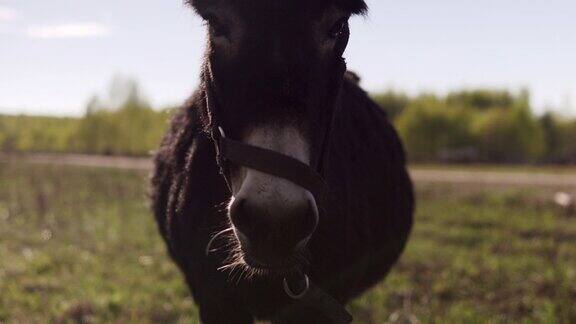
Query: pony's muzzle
270	235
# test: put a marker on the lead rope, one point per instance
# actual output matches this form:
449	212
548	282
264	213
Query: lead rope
311	295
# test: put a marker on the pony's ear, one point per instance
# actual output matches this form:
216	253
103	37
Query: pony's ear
356	7
197	4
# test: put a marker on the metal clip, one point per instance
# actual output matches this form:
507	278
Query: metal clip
294	295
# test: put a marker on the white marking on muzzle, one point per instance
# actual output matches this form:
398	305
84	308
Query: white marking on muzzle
273	193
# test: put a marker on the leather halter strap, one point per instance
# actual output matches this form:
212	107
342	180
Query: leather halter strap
268	161
273	163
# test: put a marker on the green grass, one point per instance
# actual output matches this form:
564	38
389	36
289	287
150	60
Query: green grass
481	256
80	243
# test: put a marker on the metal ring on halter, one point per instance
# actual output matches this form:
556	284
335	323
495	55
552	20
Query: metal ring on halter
293	295
221	132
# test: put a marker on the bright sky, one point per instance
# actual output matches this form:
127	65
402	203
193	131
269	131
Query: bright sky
55	54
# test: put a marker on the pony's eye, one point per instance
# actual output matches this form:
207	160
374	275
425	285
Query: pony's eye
338	28
217	28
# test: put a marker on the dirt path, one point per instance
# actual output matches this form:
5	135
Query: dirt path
495	178
101	161
499	178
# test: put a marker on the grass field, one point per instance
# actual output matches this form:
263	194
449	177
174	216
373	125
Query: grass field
79	244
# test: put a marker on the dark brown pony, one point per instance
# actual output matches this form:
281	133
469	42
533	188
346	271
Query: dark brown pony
273	78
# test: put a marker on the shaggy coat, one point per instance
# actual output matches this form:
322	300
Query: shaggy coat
361	232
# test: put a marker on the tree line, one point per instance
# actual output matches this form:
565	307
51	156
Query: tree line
123	123
495	126
492	126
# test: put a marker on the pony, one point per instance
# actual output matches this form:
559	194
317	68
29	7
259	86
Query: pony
251	243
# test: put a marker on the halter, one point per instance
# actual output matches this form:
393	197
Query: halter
270	162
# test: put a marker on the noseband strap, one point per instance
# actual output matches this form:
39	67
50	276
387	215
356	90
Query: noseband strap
273	163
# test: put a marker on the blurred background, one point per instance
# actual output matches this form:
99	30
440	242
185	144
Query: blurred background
483	93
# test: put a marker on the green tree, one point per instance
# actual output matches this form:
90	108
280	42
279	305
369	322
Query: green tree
510	135
393	103
481	99
566	141
428	129
126	124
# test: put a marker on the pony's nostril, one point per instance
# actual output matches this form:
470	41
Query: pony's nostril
238	215
309	221
274	232
312	216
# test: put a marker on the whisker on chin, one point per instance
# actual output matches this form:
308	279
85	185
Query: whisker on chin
214	238
237	267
